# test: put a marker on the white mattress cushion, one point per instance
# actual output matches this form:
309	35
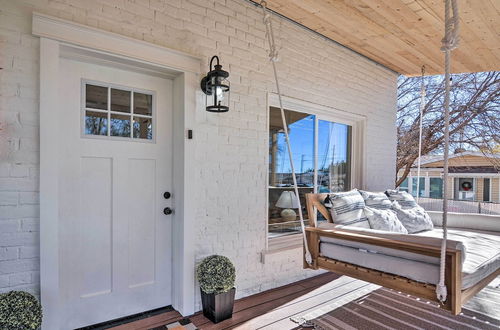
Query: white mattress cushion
416	270
480	253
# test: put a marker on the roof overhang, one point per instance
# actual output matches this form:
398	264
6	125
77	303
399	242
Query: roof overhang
403	35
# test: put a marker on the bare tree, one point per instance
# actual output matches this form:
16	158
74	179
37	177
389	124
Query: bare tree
474	116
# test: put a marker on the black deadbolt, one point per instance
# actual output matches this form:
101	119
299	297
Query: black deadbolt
167	195
167	210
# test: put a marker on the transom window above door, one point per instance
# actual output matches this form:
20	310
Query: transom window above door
117	112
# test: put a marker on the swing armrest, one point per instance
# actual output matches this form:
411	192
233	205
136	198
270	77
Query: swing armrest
314	234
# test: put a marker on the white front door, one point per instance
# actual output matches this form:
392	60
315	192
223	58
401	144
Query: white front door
115	163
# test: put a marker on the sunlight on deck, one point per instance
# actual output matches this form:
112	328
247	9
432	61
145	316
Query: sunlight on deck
339	292
313	304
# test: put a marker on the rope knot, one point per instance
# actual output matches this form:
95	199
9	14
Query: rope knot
451	36
441	292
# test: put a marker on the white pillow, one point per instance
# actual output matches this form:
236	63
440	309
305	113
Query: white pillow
414	219
377	200
404	199
347	209
384	220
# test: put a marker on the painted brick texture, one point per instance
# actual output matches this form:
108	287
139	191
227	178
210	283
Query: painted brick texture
230	148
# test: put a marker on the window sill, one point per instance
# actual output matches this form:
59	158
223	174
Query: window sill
281	244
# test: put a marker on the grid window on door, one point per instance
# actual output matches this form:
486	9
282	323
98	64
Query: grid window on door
118	112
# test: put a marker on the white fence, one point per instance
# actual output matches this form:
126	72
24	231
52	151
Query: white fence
433	204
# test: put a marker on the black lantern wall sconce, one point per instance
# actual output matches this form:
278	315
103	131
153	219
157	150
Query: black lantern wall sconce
216	87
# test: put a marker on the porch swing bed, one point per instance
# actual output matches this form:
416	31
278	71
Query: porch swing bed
404	262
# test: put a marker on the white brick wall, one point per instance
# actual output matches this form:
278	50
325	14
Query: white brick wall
231	148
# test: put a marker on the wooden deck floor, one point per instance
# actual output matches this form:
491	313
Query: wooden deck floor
274	309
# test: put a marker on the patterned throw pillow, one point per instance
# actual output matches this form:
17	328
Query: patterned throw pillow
404	199
384	220
414	219
347	209
377	200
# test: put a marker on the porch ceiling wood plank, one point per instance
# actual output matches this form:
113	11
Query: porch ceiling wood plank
471	51
403	35
346	31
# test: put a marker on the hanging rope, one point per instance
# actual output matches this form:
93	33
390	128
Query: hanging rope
273	57
449	42
422	107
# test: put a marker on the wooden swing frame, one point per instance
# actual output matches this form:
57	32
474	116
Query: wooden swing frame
456	296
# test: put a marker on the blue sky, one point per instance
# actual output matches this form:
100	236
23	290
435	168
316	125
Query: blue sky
332	144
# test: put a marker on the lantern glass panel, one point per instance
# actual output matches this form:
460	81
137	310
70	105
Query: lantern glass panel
219	88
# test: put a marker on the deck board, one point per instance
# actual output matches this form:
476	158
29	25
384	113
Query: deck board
273	309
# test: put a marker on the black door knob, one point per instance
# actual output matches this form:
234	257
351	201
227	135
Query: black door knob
167	195
167	210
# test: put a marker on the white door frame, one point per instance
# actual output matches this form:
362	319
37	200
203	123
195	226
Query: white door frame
59	37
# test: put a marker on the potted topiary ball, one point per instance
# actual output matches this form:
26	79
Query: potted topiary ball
20	310
216	275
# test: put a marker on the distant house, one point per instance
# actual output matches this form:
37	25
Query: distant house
474	176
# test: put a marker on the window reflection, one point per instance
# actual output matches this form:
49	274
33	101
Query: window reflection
421	187
143	104
128	115
301	132
120	125
334	157
331	165
96	123
96	97
143	128
436	188
120	100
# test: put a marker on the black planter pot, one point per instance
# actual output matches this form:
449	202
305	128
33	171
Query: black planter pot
218	306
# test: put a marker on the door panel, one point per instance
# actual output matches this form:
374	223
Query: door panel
141	235
95	230
115	241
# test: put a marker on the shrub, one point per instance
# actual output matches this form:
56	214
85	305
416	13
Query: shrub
216	274
19	310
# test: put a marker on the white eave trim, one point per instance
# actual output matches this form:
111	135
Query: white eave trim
85	36
474	175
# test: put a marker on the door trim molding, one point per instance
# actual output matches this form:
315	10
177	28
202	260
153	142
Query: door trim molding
92	38
56	36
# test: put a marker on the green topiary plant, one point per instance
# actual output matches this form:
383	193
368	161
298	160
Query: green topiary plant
216	274
19	310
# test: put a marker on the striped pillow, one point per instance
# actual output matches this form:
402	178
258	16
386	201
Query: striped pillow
347	209
377	200
404	199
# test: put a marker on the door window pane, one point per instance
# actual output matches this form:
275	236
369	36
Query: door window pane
334	157
143	104
96	97
96	123
120	125
436	188
120	100
143	128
